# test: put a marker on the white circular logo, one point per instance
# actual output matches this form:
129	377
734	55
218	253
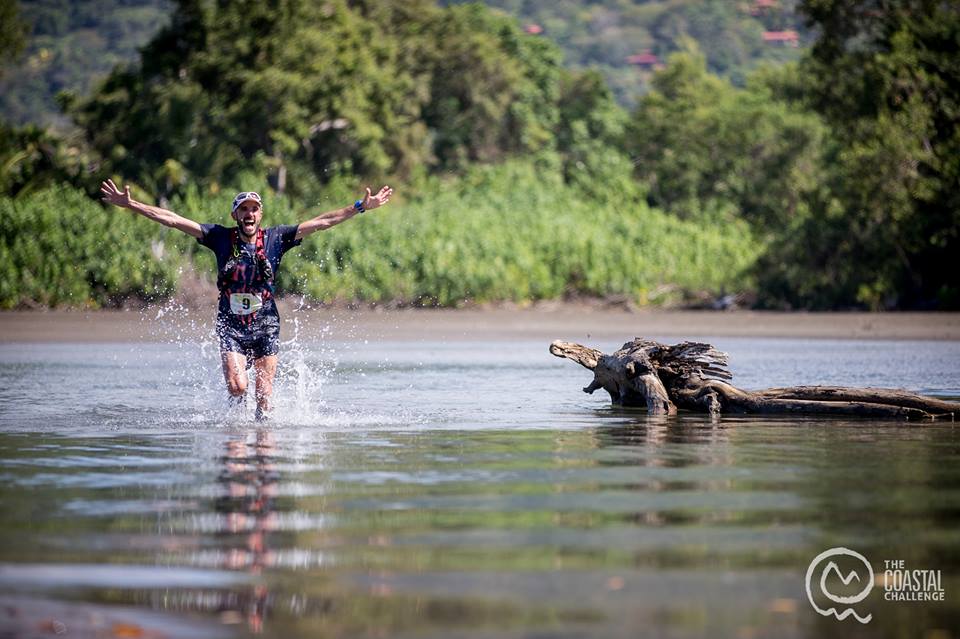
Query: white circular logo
863	576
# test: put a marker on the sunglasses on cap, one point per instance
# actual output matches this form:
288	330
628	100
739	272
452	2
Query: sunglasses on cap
243	197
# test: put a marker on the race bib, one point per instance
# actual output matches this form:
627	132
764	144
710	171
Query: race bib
245	303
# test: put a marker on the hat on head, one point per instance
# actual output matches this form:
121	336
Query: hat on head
243	197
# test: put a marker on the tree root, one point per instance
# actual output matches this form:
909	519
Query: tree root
693	376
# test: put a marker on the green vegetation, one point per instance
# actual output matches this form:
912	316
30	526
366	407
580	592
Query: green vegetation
512	232
72	46
306	93
506	232
60	248
703	145
831	182
32	158
603	34
884	227
12	30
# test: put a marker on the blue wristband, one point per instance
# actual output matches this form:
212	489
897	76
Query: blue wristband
359	206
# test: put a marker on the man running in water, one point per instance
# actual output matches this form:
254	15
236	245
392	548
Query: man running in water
248	256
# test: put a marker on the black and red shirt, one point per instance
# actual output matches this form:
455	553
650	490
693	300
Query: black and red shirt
245	276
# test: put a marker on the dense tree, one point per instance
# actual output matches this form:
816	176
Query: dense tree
885	75
590	137
701	145
323	90
73	45
32	158
13	31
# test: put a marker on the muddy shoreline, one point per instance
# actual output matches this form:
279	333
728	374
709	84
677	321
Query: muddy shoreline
572	322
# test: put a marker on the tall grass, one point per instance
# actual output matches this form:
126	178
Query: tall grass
506	232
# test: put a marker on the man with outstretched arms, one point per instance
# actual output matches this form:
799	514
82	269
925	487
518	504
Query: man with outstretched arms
248	256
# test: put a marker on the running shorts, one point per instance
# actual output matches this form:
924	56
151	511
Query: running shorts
260	339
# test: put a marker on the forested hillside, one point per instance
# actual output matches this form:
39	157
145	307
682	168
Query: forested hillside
628	40
70	47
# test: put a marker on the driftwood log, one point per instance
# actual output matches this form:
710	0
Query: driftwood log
694	376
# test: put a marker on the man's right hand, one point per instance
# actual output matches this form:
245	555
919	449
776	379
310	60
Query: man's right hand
113	195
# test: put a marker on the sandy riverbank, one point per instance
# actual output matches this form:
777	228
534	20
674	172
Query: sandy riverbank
547	323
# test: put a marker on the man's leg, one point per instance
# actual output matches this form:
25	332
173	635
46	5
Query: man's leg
235	373
266	368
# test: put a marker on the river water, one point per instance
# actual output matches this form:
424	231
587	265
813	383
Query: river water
445	489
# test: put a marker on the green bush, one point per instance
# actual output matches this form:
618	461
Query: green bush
512	232
508	232
62	249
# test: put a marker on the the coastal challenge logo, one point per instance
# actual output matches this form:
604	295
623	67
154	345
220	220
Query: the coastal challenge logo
900	584
854	574
845	578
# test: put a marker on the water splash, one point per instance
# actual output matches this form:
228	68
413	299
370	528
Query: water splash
302	374
304	371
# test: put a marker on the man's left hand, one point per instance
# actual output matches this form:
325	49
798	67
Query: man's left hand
371	201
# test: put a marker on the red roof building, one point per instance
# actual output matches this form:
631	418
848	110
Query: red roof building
788	37
645	59
533	29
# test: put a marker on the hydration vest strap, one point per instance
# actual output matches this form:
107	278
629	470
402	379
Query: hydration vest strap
264	271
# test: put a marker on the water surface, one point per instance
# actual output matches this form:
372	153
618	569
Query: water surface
457	489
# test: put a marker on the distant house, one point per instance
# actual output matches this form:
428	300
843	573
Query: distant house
533	29
761	7
783	38
647	60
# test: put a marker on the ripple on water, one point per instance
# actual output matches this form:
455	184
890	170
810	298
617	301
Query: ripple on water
438	489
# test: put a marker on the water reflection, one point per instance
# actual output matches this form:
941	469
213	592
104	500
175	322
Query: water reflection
249	479
684	526
658	430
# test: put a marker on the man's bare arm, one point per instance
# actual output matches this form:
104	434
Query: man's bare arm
331	218
113	195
